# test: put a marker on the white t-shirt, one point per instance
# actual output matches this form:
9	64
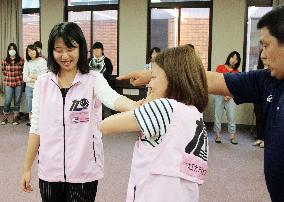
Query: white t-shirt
36	67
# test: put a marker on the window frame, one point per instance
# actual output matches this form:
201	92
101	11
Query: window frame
179	6
92	9
26	11
257	3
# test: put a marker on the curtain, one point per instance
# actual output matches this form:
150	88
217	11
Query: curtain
277	3
10	27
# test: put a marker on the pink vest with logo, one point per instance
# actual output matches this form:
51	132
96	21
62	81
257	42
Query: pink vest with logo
71	148
181	154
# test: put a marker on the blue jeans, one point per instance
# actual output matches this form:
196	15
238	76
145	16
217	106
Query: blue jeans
12	92
29	97
230	107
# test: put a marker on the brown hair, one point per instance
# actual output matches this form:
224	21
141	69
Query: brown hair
186	76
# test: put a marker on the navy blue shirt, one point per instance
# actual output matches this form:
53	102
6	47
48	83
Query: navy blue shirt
260	88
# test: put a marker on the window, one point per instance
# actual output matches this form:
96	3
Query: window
105	31
99	22
30	4
90	2
31	21
83	19
253	47
187	24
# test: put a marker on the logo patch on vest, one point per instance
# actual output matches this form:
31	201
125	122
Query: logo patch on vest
79	112
79	105
194	161
269	98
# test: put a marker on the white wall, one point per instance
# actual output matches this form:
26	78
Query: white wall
228	35
52	12
132	35
227	29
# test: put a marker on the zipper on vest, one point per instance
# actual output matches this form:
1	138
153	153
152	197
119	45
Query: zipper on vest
64	161
134	193
94	148
64	141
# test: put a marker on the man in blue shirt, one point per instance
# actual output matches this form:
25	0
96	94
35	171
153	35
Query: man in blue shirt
264	87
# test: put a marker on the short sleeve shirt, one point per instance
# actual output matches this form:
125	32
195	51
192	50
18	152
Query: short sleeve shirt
260	88
154	119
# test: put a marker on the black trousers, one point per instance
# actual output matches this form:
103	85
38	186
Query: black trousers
68	192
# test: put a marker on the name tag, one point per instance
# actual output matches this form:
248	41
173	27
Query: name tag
80	117
193	166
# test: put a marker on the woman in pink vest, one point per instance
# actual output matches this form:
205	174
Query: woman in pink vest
66	110
170	156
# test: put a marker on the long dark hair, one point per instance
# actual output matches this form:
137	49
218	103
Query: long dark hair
69	32
17	57
236	66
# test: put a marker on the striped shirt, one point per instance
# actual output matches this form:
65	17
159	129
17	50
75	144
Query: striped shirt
12	73
154	119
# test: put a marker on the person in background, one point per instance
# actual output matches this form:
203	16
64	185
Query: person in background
12	70
34	66
152	54
258	114
226	102
172	138
64	123
38	46
102	64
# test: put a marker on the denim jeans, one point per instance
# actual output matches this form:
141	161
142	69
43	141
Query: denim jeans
29	97
230	107
10	93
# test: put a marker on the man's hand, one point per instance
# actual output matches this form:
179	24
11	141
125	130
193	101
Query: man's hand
137	78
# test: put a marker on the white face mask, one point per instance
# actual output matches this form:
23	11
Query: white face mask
12	53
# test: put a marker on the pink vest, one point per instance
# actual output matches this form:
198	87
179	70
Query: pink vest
181	154
71	148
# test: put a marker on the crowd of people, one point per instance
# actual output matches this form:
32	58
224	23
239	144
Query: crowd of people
20	74
171	152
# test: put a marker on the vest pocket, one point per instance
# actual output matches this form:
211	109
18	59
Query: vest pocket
94	151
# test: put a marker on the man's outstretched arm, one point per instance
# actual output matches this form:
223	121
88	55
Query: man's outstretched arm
137	78
216	81
217	84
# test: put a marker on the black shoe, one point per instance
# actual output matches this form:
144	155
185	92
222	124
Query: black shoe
218	139
234	141
28	124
